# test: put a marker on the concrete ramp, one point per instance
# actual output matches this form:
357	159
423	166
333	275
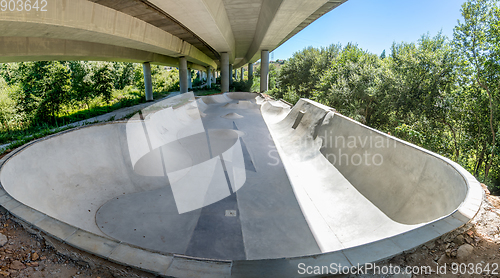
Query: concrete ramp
343	172
236	185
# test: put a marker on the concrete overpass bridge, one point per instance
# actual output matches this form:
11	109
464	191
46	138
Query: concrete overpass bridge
206	35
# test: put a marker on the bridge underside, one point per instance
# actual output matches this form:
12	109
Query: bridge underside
146	31
20	49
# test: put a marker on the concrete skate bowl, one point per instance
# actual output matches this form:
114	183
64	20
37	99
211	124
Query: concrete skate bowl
181	190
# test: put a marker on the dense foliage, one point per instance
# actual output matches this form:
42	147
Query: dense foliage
36	96
439	93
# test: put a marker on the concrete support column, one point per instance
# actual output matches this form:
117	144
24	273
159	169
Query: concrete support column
242	71
183	75
209	77
250	71
264	71
190	82
225	73
148	83
230	74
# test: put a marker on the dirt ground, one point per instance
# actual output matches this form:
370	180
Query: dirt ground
473	250
27	253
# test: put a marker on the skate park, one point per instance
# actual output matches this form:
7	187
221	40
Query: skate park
229	185
236	185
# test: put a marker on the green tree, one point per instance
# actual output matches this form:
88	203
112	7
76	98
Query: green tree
81	82
353	86
382	56
122	74
45	87
31	75
102	82
139	77
421	88
10	73
273	80
477	39
56	91
7	104
303	71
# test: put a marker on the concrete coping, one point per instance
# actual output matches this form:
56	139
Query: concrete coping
176	265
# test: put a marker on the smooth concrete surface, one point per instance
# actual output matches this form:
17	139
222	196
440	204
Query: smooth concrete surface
183	75
264	71
209	77
20	49
383	184
182	189
148	83
190	78
250	71
231	74
82	20
224	72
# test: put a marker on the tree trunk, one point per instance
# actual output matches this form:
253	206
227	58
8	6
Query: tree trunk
480	160
486	167
493	133
457	151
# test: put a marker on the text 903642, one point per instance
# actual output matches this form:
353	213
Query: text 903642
23	5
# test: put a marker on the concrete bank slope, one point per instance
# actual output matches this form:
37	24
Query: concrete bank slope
236	185
365	192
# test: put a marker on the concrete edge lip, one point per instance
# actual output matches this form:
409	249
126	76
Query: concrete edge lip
184	266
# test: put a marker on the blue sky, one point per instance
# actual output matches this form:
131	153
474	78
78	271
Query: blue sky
375	24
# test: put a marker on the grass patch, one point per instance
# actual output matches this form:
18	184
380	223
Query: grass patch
34	136
200	93
23	132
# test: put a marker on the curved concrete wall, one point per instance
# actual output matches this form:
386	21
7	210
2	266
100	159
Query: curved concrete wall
72	185
60	196
410	186
407	183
